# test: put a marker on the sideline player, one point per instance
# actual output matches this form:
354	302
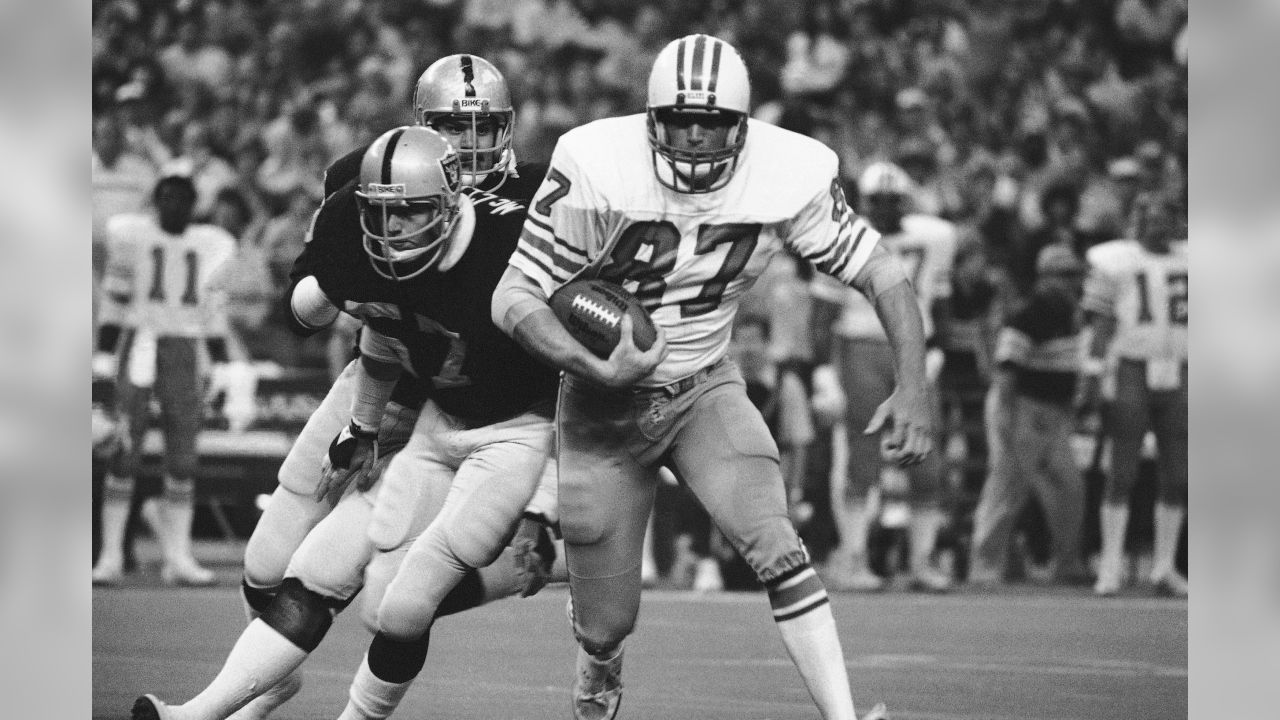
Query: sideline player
684	205
161	277
414	277
925	245
1136	306
497	186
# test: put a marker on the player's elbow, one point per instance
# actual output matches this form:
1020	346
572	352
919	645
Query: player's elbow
309	307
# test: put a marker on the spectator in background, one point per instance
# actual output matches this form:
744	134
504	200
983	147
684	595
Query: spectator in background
1030	422
296	154
121	179
193	65
1107	200
1059	206
210	172
817	55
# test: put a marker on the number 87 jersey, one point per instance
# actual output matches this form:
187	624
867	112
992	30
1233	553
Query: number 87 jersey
688	258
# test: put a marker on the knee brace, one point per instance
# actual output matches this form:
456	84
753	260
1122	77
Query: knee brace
396	661
257	598
300	615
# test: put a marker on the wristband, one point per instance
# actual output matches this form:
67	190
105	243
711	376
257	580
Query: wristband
361	433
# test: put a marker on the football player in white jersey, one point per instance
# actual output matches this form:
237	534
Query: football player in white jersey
1136	305
684	205
160	277
926	246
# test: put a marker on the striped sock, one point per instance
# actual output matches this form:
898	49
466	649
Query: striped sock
803	613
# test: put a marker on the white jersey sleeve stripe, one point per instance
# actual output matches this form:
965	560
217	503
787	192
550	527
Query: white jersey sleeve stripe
560	243
532	242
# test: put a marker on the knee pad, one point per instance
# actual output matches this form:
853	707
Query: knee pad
396	661
300	615
257	598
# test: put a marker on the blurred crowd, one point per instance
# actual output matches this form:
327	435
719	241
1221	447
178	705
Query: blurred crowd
1027	124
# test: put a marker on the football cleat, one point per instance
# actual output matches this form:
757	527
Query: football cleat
108	572
188	572
597	689
150	707
1110	579
930	580
877	713
1170	584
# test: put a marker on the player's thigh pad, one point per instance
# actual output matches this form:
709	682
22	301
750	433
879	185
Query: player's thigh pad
281	529
491	488
379	573
604	493
300	471
332	558
727	457
415	484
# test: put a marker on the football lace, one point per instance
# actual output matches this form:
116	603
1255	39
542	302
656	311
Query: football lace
596	310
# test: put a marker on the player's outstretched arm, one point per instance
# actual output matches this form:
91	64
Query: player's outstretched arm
520	308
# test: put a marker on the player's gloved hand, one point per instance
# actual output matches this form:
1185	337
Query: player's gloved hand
628	364
353	455
908	429
535	552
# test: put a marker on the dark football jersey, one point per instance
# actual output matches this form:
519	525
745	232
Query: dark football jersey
440	321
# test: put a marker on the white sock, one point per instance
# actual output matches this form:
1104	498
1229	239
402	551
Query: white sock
803	614
853	521
925	524
1168	529
115	518
1114	519
261	658
370	697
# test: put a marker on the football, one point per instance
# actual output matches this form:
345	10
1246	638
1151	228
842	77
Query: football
592	310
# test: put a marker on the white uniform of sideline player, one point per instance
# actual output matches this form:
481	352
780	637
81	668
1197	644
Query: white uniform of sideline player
1136	302
162	279
926	247
687	220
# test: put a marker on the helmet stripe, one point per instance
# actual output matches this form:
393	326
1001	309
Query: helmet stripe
468	75
699	50
386	156
715	65
680	65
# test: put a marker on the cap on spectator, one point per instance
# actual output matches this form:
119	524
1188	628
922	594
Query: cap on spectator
1124	168
179	167
911	98
1058	259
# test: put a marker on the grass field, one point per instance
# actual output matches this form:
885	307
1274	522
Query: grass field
1021	654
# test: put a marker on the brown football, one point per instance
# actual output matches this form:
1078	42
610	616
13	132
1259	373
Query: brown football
592	310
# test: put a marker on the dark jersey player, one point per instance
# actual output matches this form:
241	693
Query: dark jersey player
422	318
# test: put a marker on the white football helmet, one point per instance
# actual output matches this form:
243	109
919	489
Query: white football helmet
885	192
407	172
703	74
469	88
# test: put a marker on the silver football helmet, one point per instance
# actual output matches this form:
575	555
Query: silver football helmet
468	90
408	197
697	79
